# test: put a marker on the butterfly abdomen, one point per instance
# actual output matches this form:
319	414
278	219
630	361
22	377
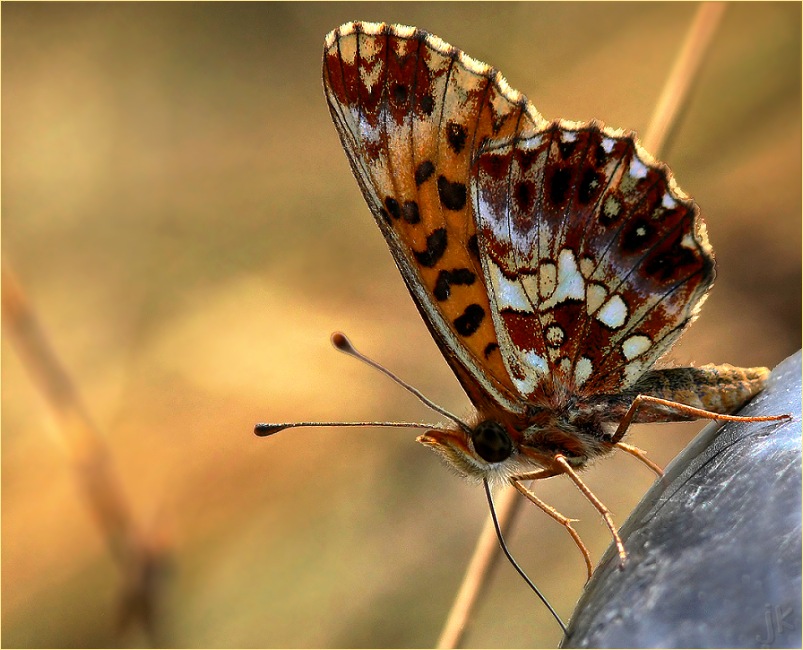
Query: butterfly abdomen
716	388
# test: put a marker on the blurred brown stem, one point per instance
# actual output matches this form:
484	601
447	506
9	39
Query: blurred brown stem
684	72
85	443
485	554
674	94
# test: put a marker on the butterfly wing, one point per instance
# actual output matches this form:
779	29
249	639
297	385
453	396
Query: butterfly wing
595	260
412	112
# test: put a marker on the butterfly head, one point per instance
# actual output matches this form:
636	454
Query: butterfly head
498	448
487	450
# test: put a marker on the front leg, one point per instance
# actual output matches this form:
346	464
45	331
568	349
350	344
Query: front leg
516	482
601	508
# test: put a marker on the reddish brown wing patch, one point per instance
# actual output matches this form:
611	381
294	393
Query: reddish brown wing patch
411	112
595	260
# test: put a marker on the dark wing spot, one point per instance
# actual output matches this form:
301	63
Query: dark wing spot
442	290
443	285
384	214
423	172
589	186
473	246
456	136
470	320
436	246
427	104
399	93
494	165
453	195
600	156
525	195
489	349
559	187
637	236
526	158
672	264
393	207
566	148
410	212
463	276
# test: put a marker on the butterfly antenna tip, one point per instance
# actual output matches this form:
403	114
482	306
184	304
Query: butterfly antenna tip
342	343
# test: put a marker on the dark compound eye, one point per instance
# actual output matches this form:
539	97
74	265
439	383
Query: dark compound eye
491	441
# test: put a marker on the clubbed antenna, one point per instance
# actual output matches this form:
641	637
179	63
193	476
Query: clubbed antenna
342	343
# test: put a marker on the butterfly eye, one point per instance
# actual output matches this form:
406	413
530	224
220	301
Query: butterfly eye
491	441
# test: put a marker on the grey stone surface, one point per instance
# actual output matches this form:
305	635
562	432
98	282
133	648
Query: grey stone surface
715	546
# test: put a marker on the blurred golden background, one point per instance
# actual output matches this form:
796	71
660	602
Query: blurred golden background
178	208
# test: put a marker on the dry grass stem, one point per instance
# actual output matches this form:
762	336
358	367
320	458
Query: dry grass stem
676	89
672	98
89	454
485	553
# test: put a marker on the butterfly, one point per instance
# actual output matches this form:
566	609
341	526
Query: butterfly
553	262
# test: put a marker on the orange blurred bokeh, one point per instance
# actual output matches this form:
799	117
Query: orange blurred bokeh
178	208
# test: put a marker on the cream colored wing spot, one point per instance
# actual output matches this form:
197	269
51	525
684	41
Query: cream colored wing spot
613	313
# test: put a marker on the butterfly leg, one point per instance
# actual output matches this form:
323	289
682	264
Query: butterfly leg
641	455
564	521
561	461
688	412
